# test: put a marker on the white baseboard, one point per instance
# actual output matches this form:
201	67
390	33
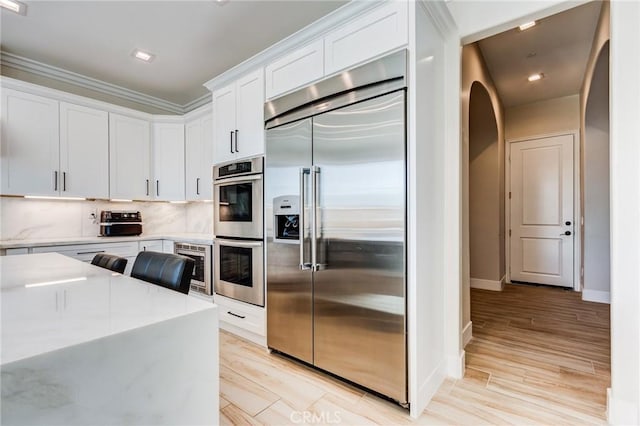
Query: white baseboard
621	412
487	284
467	334
596	296
427	390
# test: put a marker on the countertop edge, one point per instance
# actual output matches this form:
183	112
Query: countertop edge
68	241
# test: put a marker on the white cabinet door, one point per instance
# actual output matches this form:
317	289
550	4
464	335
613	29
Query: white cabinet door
30	145
295	70
249	140
199	158
84	151
224	119
206	183
168	164
373	34
129	153
151	245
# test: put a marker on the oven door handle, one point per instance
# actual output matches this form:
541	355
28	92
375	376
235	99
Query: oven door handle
238	243
237	179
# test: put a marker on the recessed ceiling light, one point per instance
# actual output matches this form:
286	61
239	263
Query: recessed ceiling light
142	55
535	77
14	6
527	25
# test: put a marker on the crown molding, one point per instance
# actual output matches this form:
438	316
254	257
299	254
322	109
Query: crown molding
59	74
298	39
197	103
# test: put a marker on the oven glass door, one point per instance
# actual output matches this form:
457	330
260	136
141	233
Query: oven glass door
238	207
199	268
239	271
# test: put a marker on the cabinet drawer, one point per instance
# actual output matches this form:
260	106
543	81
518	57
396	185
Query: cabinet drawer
86	252
242	315
151	245
373	34
295	70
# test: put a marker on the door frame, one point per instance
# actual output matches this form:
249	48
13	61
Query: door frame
577	211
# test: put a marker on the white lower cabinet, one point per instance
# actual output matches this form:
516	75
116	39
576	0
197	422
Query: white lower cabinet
245	320
151	245
86	252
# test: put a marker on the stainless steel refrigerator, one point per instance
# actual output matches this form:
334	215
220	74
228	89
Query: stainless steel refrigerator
335	203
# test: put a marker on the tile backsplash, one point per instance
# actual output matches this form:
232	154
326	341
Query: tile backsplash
28	218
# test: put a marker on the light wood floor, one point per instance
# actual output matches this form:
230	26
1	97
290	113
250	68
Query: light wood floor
538	356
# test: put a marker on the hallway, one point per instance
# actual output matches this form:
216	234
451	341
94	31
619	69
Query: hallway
538	355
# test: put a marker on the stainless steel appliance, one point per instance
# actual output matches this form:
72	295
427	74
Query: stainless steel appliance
239	272
120	223
201	254
238	204
336	166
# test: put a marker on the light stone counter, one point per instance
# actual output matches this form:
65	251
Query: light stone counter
83	345
61	241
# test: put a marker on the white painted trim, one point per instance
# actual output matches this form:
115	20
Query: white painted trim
596	296
482	284
70	77
428	389
199	112
59	95
306	35
577	211
197	103
467	333
621	412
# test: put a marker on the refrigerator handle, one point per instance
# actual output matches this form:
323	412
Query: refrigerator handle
303	265
315	208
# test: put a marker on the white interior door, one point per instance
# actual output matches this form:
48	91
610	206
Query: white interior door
541	218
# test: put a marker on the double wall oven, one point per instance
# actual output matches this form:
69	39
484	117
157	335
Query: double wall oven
239	228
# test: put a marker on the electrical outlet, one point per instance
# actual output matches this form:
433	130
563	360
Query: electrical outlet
93	216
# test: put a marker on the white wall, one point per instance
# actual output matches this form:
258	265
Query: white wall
542	118
624	401
485	189
596	185
32	218
426	213
594	141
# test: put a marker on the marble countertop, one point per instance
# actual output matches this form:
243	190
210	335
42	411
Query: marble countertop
60	241
50	301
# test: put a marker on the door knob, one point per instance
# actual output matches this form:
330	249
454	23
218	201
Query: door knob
566	233
568	223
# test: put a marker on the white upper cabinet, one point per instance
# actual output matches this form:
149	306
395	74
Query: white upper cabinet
129	143
379	31
295	70
30	145
84	151
199	158
168	161
238	118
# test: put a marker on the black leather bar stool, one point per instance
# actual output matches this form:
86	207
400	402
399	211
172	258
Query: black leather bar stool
164	269
110	261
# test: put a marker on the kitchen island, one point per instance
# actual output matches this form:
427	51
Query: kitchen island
84	345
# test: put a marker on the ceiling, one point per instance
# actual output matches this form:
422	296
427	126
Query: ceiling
558	46
193	41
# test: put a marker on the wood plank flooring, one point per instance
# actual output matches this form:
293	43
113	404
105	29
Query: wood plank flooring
539	356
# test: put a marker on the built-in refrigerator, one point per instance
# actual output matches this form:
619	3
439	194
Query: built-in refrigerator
335	203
